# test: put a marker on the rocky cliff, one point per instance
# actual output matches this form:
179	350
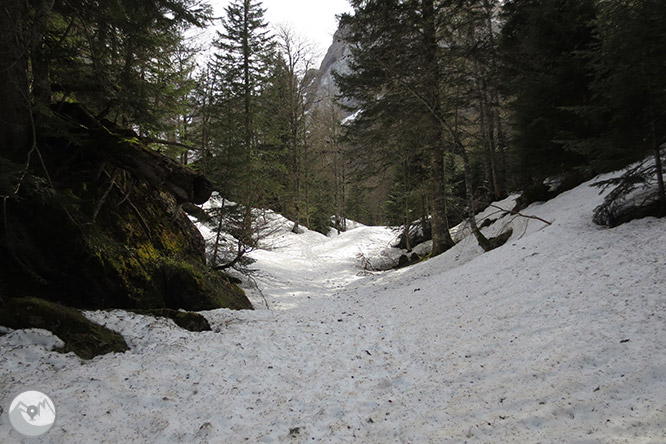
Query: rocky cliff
336	60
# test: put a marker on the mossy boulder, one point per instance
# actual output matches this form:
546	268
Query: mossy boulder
184	319
185	286
81	336
105	227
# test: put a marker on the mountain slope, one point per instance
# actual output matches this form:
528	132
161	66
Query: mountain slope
558	336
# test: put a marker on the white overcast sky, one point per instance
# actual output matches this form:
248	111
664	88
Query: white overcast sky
313	20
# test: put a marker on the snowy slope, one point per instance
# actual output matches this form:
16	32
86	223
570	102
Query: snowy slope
557	337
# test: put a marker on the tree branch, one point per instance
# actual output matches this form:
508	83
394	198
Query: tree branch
517	213
166	142
239	256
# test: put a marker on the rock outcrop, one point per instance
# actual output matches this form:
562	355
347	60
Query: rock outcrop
336	60
95	221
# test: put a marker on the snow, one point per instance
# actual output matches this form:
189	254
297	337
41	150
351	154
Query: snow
556	337
349	225
352	117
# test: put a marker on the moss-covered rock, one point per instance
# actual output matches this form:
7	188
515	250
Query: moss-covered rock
184	319
101	233
191	288
81	336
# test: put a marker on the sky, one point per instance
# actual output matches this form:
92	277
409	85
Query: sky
313	20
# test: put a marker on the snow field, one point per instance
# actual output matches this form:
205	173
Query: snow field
556	337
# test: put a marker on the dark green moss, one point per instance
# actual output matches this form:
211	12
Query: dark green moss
81	336
184	319
97	236
194	288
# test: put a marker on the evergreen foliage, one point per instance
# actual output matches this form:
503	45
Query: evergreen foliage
546	76
456	103
634	194
629	62
241	69
395	84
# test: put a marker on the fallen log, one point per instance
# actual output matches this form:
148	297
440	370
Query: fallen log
124	149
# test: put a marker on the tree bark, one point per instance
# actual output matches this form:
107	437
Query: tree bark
407	226
441	238
15	110
483	241
439	224
41	84
501	143
218	235
490	131
661	190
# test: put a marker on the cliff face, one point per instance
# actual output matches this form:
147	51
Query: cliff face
336	60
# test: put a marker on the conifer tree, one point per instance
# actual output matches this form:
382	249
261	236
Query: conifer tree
629	106
15	48
295	57
396	72
241	67
244	49
546	78
117	58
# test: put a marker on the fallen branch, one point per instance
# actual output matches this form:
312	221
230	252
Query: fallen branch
112	183
526	216
238	257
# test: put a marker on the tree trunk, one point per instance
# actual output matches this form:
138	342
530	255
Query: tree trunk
439	224
41	84
424	215
247	86
343	201
408	224
492	148
483	241
218	235
660	170
441	238
501	143
297	189
660	178
15	118
306	190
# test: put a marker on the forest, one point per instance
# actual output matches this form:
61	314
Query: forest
451	230
115	121
458	102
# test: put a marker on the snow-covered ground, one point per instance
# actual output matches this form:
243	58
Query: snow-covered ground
557	337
